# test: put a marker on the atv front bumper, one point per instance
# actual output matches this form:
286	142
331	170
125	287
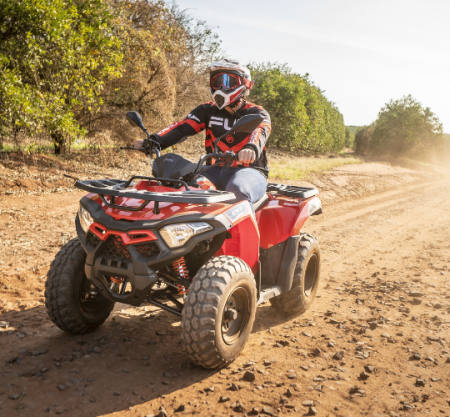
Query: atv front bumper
136	263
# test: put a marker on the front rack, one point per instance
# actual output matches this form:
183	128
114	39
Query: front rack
120	188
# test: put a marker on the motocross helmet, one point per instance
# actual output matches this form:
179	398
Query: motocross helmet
229	82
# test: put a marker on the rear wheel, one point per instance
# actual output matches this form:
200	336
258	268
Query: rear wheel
72	303
219	312
306	279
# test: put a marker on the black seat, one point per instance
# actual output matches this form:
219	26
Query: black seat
172	166
260	203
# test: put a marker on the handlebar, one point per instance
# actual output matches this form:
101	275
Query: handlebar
228	157
130	149
150	147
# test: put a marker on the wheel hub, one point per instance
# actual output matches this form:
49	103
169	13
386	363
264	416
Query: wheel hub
230	315
235	315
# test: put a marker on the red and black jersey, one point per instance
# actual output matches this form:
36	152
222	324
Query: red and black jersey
218	122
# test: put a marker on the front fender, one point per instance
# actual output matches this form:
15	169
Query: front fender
243	237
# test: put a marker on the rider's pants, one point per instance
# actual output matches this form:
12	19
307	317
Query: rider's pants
244	183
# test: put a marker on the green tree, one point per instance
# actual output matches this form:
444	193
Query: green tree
363	136
350	136
281	94
350	132
405	127
55	57
302	117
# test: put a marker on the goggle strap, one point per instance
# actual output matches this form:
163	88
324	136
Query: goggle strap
249	84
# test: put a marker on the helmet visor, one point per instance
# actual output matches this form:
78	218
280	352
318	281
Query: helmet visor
226	81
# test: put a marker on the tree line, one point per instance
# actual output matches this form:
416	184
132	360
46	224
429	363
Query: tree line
302	117
74	67
71	68
404	127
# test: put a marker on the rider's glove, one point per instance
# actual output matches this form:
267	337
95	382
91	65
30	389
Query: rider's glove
138	144
247	156
147	145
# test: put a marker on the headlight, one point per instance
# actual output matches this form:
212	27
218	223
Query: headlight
85	218
176	235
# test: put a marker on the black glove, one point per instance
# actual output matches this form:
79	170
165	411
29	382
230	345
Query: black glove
150	145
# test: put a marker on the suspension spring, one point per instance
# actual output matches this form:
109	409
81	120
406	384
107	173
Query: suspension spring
179	267
182	289
115	284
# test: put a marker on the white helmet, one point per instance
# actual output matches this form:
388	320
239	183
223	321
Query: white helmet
229	82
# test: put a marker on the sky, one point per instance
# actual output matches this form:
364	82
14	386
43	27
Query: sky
363	53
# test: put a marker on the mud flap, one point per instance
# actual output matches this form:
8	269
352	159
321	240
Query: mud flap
288	264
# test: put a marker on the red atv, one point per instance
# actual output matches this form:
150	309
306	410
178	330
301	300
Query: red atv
172	240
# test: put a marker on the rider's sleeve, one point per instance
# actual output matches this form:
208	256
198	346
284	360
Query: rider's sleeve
258	138
177	132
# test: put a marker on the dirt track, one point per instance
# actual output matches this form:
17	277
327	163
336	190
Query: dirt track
384	301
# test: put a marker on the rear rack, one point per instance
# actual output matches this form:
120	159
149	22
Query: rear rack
293	190
120	188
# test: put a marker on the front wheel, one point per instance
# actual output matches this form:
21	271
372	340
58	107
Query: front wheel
219	312
306	279
73	304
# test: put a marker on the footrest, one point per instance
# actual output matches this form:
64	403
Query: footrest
267	293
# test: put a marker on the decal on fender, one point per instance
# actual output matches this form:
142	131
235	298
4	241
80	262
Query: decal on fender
239	211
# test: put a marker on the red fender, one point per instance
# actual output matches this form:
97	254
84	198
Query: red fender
244	240
281	218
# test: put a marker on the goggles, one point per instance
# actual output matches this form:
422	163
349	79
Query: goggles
228	81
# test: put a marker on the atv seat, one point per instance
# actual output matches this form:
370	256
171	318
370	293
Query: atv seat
260	203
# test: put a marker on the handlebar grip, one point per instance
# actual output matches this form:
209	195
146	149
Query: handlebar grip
131	149
146	151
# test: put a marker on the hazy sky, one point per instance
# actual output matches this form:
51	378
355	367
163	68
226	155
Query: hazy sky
361	52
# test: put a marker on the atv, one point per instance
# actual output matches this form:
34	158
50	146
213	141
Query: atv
172	240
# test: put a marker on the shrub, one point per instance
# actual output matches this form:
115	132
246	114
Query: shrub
363	137
54	59
405	127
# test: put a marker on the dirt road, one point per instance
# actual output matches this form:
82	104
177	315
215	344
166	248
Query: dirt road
374	343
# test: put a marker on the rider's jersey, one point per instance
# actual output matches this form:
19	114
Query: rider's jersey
218	122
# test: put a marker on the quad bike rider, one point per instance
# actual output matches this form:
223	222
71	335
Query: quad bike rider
230	83
178	241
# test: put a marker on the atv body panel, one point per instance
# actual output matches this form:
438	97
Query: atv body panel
127	244
280	221
124	240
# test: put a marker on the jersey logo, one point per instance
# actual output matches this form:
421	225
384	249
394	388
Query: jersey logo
220	121
229	139
226	126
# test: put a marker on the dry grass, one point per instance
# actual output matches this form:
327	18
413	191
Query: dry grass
296	168
103	161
